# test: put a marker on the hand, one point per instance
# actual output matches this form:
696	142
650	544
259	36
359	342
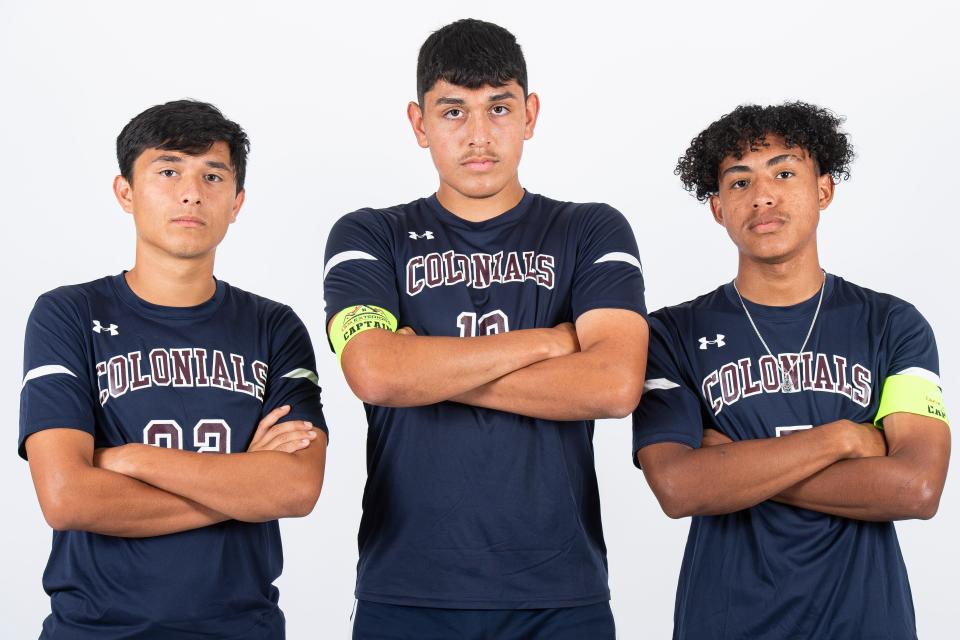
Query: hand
566	342
290	436
863	440
712	438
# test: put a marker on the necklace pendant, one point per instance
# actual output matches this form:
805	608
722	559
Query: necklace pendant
787	385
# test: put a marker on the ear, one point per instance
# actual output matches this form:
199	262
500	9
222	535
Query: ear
237	203
825	187
532	111
415	116
716	209
123	191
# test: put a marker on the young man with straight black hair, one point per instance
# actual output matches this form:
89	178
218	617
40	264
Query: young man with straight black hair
485	328
133	382
761	400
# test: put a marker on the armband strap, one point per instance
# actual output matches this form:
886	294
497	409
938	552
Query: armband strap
353	321
910	394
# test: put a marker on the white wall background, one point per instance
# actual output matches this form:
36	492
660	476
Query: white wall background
322	88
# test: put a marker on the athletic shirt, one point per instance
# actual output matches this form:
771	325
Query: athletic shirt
467	507
99	359
775	571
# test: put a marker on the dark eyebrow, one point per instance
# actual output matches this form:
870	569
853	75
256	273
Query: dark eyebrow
168	159
506	95
213	164
737	168
455	101
783	158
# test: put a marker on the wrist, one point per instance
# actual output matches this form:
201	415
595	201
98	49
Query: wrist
843	439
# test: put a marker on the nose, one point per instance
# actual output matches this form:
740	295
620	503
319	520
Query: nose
479	131
763	196
191	189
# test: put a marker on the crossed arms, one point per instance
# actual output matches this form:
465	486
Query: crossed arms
841	468
592	370
137	490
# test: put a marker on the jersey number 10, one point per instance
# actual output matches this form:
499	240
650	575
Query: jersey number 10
487	325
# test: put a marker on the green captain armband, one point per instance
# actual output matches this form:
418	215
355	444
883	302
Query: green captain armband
910	394
353	321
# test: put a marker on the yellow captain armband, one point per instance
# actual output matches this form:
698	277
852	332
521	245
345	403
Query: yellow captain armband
353	321
911	394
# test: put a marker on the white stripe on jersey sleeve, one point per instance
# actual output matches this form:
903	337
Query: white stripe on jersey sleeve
344	256
659	383
45	370
303	373
920	372
620	256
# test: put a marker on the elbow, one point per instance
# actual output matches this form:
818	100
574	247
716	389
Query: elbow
673	500
302	495
60	511
621	398
370	383
922	501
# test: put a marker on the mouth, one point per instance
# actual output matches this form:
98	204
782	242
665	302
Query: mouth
767	224
479	163
189	222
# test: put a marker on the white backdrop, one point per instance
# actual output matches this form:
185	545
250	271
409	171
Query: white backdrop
322	91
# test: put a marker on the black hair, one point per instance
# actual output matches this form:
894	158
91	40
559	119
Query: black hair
189	126
470	53
814	129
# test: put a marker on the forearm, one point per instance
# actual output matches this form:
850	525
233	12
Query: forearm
396	370
253	487
580	386
730	477
108	503
877	489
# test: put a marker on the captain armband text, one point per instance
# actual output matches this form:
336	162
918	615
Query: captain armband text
353	321
911	394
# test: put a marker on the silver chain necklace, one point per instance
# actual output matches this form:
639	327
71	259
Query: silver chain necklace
786	385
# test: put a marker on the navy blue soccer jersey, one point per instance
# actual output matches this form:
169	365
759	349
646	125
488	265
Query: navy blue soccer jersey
99	359
468	507
774	571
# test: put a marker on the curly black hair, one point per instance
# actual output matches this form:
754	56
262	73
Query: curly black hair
814	129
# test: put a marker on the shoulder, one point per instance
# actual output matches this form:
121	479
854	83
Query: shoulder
72	302
885	307
584	213
371	219
679	318
265	309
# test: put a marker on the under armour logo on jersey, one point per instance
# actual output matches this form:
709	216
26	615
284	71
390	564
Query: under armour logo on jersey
718	341
426	234
99	328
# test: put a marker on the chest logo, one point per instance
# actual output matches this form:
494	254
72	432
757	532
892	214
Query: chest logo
111	329
426	235
719	341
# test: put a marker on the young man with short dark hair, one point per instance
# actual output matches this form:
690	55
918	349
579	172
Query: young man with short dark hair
520	321
170	540
761	399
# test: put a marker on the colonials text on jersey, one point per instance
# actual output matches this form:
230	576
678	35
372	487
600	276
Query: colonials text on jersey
807	371
478	270
184	367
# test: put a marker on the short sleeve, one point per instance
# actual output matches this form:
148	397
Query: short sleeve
669	410
608	271
292	374
910	345
57	389
358	266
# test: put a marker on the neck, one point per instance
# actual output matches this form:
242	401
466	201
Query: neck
780	284
483	208
172	282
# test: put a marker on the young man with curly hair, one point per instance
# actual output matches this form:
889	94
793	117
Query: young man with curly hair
521	322
793	414
133	384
